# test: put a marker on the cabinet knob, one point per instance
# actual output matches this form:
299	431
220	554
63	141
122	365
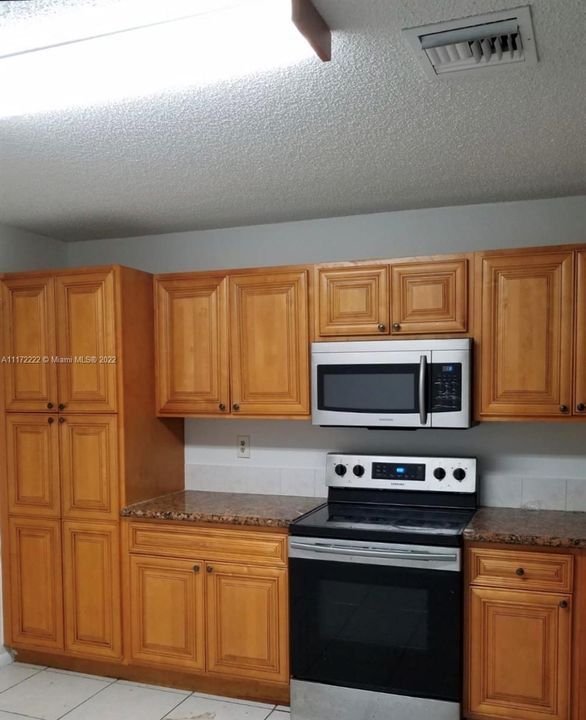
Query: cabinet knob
196	568
564	408
236	407
61	406
564	604
210	569
50	406
381	327
222	407
520	572
396	326
51	420
61	420
581	407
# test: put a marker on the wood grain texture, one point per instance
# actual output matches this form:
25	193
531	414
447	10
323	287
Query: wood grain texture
91	573
28	333
32	465
580	357
35	588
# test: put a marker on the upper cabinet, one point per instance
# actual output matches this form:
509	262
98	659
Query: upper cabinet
235	345
426	296
526	303
580	356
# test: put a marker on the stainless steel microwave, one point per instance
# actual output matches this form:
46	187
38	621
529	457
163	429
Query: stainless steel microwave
392	383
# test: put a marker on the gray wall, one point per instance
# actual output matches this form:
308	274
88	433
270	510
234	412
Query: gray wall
535	465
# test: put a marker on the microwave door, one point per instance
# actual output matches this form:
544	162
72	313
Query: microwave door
385	389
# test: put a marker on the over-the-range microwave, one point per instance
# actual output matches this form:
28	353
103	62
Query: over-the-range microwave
392	383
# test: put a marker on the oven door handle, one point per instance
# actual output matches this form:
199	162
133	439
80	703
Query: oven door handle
423	390
375	552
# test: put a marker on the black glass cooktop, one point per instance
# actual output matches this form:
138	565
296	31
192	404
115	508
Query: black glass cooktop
423	525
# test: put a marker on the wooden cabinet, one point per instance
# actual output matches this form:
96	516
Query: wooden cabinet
527	328
269	344
28	344
35	595
580	355
192	345
32	464
352	300
91	573
429	297
247	621
519	634
167	612
233	345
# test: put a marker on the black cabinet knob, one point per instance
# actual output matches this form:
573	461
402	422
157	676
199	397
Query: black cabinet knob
51	421
50	406
196	568
520	572
61	406
210	569
564	408
222	407
564	604
396	326
581	407
61	420
381	327
236	407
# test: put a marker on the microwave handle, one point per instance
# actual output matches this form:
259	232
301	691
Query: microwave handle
423	390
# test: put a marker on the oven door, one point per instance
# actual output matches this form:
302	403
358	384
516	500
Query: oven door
375	616
371	389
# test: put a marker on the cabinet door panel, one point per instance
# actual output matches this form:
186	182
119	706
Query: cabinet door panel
247	621
430	297
269	344
91	568
32	464
580	360
35	583
86	342
89	466
167	612
519	655
28	339
527	331
192	345
353	301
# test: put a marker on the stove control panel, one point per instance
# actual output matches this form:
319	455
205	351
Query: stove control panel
388	472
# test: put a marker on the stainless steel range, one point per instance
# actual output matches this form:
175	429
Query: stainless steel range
376	590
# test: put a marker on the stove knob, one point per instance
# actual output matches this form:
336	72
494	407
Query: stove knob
439	473
340	470
358	470
459	474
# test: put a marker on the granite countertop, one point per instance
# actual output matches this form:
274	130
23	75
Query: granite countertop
228	508
545	528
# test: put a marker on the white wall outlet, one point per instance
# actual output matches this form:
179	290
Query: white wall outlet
243	446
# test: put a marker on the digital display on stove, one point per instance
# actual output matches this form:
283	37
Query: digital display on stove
391	471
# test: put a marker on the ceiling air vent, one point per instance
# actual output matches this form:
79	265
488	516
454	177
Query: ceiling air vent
475	44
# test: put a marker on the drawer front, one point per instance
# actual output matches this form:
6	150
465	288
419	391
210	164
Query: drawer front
203	544
518	569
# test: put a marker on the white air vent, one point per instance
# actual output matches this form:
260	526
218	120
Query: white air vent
475	44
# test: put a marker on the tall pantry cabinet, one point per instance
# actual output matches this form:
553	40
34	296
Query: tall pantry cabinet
80	440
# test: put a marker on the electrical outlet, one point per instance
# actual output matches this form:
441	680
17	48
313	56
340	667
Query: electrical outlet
243	446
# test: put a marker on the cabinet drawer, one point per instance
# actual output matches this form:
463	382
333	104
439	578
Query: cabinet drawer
518	569
203	544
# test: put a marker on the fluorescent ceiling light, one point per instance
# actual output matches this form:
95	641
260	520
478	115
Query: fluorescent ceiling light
134	49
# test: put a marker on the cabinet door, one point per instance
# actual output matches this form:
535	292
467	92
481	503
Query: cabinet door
91	574
35	583
527	331
86	342
247	621
519	660
269	344
89	466
429	297
167	612
580	361
192	345
28	344
32	464
353	301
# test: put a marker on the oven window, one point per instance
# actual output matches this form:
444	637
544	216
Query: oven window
379	628
368	388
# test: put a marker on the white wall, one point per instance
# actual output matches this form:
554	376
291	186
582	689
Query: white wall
21	250
521	464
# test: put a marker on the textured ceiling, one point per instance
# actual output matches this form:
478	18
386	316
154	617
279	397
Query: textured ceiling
367	132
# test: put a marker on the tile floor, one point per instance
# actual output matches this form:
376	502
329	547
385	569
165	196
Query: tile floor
29	691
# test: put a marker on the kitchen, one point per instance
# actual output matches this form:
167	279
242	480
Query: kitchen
123	596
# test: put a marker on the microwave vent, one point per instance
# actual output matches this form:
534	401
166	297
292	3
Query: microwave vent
475	44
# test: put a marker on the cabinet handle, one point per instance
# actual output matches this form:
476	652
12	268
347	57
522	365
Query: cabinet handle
564	408
196	568
222	407
51	421
50	406
581	407
61	420
396	326
210	569
382	327
236	407
520	572
564	604
61	406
